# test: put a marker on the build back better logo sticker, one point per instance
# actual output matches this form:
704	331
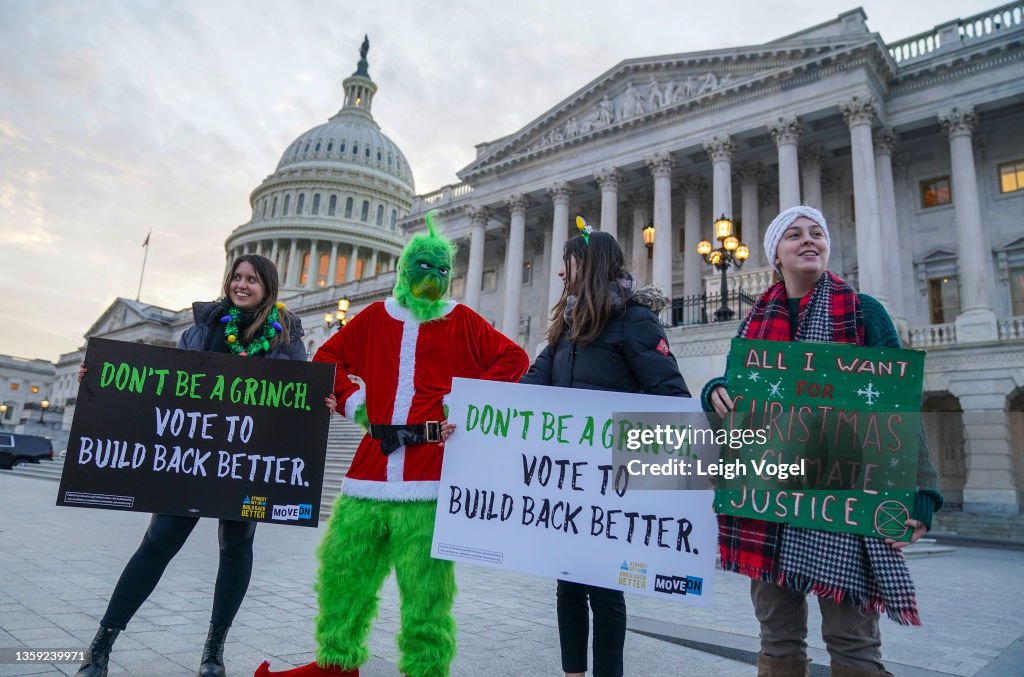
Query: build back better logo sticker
196	433
840	429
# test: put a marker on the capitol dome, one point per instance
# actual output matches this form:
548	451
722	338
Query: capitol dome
329	212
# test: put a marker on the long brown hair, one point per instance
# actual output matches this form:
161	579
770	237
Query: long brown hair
266	273
598	265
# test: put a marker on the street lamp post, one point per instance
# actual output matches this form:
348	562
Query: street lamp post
648	233
340	318
43	406
731	253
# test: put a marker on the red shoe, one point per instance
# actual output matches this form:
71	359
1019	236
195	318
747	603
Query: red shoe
311	670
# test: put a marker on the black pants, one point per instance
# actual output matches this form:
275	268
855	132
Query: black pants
609	607
164	538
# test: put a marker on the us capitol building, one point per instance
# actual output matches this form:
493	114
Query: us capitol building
913	150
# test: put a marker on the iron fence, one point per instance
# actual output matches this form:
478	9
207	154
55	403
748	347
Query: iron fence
701	308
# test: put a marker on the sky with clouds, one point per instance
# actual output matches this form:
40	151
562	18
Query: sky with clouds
122	116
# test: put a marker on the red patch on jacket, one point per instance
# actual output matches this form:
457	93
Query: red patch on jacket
662	347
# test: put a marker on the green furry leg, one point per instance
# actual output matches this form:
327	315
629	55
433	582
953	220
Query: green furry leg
354	562
427	587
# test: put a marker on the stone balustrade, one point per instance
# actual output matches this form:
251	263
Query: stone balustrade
956	33
753	283
933	335
441	197
1011	329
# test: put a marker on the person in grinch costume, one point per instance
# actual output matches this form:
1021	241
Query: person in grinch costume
406	350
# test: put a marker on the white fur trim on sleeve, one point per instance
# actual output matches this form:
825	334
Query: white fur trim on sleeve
353	401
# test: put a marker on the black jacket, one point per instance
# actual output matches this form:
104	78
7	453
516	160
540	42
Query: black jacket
207	316
631	355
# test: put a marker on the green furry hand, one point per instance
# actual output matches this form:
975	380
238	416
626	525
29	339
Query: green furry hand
361	419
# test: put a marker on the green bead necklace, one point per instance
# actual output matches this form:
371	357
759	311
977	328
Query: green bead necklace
262	343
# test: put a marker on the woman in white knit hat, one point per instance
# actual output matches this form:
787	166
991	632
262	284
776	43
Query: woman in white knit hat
855	577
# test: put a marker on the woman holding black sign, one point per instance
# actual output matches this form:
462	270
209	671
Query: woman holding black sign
604	335
250	322
855	577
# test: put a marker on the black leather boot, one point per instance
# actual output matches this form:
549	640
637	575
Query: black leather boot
213	652
98	655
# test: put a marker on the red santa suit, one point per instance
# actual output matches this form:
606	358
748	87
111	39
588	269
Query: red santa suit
408	367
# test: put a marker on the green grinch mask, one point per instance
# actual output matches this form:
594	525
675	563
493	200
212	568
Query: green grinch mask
424	273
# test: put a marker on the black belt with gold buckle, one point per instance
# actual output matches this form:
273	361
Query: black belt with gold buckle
394	436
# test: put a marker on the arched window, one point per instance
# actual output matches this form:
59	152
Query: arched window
394	219
304	269
306	149
389	159
264	208
330	146
365	214
348	208
317	149
367	152
379	157
316	205
301	203
332	205
355	149
273	211
321	270
287	205
380	215
339	271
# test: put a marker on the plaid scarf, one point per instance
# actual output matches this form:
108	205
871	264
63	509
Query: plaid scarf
848	568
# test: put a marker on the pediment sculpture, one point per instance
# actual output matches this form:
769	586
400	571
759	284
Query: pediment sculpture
635	100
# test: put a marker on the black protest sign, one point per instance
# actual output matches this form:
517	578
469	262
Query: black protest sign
197	433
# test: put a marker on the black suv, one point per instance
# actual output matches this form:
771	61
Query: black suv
15	449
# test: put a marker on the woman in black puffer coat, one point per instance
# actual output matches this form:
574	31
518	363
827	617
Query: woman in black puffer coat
248	322
604	335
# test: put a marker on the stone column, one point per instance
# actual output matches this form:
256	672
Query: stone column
350	265
810	175
273	257
720	150
609	180
314	265
884	139
871	251
293	266
693	268
228	260
639	263
750	210
373	265
989	488
786	132
517	205
976	321
478	217
661	165
560	193
332	265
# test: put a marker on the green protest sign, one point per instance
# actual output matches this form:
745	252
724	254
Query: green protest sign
838	429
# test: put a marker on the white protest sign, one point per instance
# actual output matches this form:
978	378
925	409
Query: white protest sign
529	484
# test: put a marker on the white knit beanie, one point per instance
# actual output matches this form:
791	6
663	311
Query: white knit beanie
783	221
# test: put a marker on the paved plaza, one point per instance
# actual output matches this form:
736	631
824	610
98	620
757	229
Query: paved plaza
59	565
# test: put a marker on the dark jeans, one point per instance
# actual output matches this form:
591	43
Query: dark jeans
164	538
609	607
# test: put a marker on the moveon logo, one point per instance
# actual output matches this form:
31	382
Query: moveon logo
303	511
679	585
